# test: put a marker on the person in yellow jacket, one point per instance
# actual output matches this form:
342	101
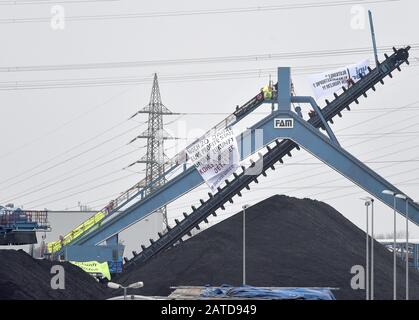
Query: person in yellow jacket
267	92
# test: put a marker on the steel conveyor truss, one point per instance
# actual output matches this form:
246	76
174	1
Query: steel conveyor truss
318	144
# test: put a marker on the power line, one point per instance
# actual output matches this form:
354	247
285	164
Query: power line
389	176
104	81
389	112
357	192
59	127
43	186
173	78
366	140
65	160
184	205
202	60
378	110
113	172
284	182
48	183
314	175
382	167
381	127
142	15
38	2
340	178
90	211
307	187
85	190
111	196
314	186
371	109
223	214
105	198
370	162
305	177
385	135
410	104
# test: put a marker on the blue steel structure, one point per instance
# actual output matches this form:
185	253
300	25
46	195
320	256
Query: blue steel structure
19	227
301	133
413	248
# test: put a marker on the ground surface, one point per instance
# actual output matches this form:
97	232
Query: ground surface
22	277
290	242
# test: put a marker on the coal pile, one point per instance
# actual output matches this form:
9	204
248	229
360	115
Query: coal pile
290	243
22	278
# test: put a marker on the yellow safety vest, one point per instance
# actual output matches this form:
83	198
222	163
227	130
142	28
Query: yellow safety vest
267	92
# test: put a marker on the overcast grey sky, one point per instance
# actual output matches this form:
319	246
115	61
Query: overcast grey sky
60	124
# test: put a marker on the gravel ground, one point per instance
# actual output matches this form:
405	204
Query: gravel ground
22	278
290	242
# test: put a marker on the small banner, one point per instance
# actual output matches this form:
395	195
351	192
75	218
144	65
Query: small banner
329	82
94	267
215	156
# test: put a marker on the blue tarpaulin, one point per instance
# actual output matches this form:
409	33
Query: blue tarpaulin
226	291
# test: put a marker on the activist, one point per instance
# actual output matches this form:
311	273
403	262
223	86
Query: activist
267	92
311	114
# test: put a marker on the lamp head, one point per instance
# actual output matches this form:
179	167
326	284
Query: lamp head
114	285
389	192
368	200
136	285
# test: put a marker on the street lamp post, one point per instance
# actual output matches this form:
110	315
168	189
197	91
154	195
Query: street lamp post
372	249
367	271
402	196
135	285
389	192
244	243
369	284
407	248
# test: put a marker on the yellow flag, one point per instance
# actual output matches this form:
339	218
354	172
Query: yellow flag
94	267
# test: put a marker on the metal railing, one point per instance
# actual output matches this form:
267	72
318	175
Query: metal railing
125	197
14	217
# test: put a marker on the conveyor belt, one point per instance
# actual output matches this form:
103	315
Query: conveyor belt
275	154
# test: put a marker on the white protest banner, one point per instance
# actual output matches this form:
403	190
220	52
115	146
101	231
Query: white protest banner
329	82
215	156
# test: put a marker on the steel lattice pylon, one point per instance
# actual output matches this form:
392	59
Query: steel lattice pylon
155	135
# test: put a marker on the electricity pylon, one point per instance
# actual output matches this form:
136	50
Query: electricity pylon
155	135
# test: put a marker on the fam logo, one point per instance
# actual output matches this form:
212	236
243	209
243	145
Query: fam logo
283	123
